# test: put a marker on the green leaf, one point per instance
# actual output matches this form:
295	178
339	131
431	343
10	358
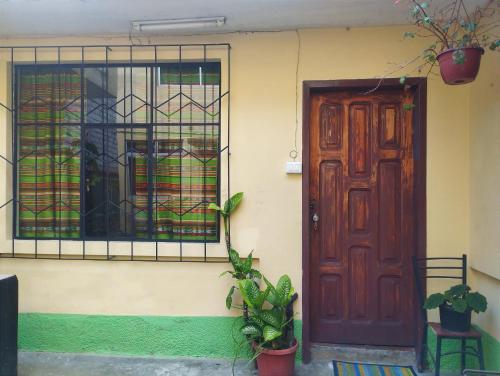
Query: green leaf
271	333
256	320
213	206
459	305
458	57
470	26
429	55
234	256
477	302
246	266
434	301
457	290
494	45
226	272
408	106
284	290
273	296
250	292
262	297
255	273
402	80
229	297
251	330
271	317
231	204
409	34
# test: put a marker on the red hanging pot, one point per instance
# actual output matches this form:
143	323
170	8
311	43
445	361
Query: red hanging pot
454	73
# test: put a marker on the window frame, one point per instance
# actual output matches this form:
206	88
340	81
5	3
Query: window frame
153	80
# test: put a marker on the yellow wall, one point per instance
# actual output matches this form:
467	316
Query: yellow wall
263	102
485	188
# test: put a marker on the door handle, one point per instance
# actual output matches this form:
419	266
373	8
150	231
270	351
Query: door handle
315	219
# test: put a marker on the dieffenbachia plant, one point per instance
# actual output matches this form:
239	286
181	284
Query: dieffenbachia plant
242	268
267	319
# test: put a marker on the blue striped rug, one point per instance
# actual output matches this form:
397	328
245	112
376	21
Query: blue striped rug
341	368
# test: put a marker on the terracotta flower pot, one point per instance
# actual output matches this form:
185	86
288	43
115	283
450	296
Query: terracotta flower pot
458	74
277	362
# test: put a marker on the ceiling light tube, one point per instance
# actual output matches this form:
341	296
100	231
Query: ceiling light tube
178	24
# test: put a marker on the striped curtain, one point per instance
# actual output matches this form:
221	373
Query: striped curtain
184	181
184	159
48	153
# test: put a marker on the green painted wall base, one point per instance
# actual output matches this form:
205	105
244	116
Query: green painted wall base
163	336
166	336
491	348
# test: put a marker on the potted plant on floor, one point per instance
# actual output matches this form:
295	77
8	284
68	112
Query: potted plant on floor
460	36
456	306
269	327
267	315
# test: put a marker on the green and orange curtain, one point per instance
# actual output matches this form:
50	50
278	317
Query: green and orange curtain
184	182
184	160
48	164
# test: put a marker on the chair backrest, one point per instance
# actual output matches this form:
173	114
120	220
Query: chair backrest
454	268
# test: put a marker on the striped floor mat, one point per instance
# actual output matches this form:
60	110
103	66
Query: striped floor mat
341	368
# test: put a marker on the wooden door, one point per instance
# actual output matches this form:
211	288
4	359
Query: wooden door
361	204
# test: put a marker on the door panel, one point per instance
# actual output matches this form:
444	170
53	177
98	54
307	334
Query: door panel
361	188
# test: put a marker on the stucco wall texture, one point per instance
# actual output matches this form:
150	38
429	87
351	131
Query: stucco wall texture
263	128
131	335
212	337
263	121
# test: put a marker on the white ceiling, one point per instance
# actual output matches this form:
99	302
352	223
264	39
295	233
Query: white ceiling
99	17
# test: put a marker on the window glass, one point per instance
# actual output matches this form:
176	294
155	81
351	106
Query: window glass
118	152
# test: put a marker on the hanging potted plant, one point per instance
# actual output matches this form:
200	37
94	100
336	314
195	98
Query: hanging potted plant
456	306
461	36
269	326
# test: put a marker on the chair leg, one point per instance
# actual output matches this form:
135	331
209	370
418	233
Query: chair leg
438	356
462	355
480	351
422	357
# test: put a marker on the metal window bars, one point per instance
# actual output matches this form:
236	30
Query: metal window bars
113	152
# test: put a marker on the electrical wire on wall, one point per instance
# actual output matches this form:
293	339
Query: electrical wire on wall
294	152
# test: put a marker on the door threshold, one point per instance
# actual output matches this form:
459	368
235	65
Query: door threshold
404	356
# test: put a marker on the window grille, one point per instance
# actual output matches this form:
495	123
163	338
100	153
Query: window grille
114	152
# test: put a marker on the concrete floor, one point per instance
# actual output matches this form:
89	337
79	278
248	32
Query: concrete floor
57	364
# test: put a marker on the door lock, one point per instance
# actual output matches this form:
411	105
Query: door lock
315	219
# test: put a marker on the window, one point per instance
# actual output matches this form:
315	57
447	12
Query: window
117	152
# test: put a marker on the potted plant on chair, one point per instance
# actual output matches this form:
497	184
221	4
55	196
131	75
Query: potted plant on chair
460	36
268	326
456	306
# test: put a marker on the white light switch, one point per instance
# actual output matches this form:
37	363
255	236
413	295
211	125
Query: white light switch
294	167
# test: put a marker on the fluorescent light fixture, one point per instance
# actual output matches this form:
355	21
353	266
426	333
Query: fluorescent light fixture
178	24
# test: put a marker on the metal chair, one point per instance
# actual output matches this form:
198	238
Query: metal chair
455	268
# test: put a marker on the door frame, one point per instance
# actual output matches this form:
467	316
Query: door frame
418	86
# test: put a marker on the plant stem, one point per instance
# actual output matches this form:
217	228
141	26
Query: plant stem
433	27
228	247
